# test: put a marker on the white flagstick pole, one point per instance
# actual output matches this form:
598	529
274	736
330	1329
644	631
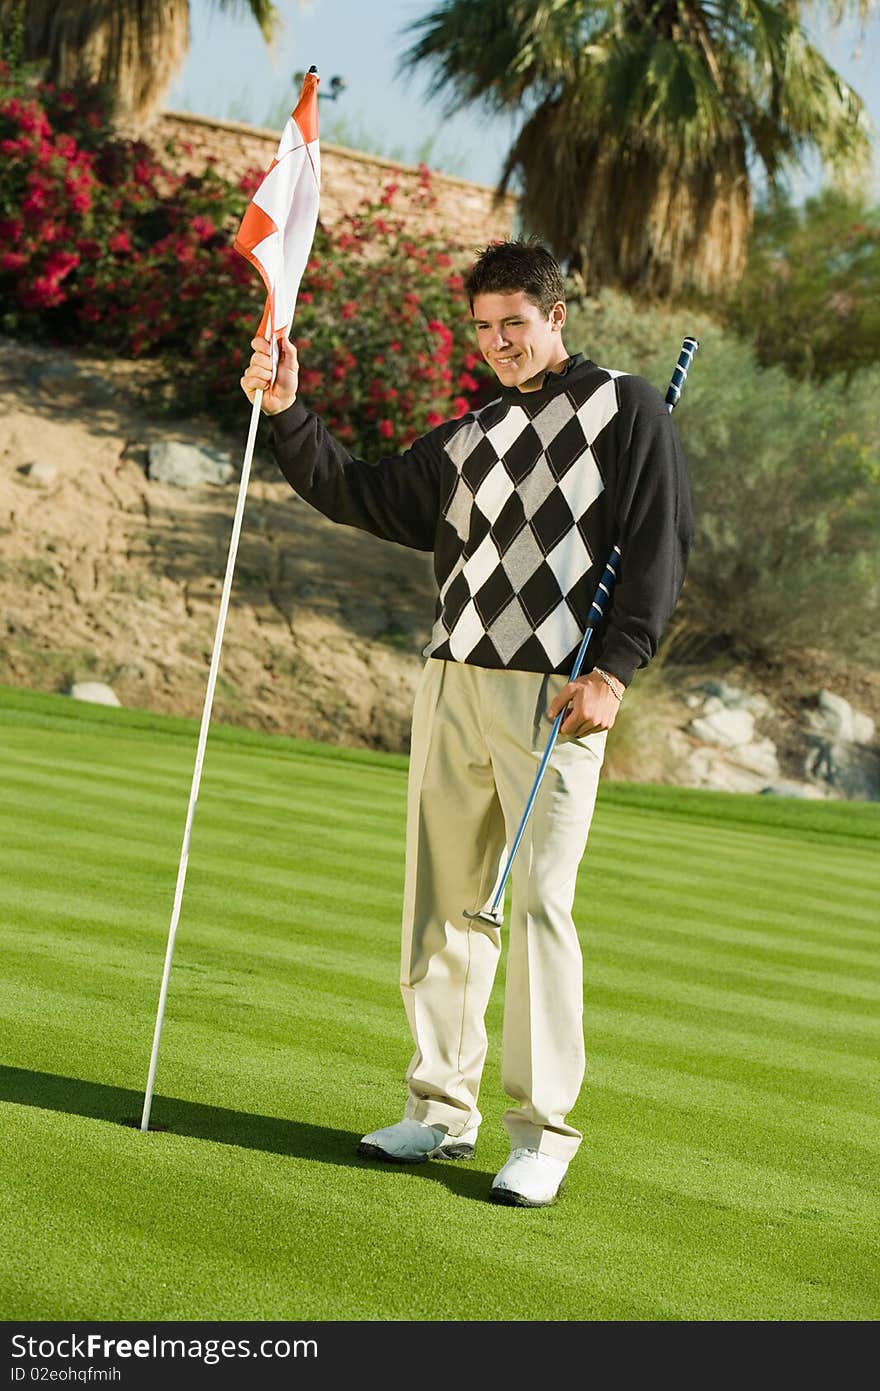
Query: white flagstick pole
200	752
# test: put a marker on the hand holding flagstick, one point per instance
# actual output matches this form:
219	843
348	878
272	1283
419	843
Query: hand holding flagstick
276	236
281	393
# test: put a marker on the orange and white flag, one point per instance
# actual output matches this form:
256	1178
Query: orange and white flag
278	229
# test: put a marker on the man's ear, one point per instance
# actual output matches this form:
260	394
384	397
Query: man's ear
558	315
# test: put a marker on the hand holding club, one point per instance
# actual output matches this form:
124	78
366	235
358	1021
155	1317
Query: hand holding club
593	706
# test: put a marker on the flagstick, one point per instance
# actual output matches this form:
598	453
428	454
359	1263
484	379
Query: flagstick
200	752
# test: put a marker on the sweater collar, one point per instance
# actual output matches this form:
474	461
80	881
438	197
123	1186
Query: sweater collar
552	379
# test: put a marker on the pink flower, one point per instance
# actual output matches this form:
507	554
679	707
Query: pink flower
120	241
386	429
60	264
42	293
12	260
203	227
349	309
35	201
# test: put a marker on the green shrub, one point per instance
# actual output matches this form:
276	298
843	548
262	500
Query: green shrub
810	297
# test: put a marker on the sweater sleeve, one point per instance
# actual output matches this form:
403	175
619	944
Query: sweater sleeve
397	498
654	522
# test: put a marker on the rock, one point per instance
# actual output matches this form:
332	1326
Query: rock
759	757
759	705
834	716
186	465
45	375
729	728
847	767
95	691
43	471
864	728
719	695
787	788
721	690
709	767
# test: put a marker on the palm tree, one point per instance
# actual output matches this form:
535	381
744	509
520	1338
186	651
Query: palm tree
133	48
645	121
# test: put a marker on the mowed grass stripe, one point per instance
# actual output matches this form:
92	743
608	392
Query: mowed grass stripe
735	938
650	1032
745	964
132	790
784	874
741	848
730	1141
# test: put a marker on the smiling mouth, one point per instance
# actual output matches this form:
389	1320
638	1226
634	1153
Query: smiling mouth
507	361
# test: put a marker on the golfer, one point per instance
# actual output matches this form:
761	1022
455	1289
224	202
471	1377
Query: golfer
520	503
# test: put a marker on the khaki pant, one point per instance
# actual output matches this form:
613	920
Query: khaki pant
478	737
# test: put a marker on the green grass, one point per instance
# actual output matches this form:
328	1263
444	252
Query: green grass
730	1109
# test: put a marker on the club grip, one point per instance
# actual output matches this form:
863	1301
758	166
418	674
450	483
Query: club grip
679	376
602	596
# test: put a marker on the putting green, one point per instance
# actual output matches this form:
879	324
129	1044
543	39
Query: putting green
730	1108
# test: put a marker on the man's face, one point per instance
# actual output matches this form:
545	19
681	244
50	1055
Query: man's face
519	342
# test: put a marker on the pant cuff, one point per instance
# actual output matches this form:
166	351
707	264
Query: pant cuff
526	1135
439	1113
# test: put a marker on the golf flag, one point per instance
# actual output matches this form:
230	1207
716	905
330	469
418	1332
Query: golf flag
275	235
277	231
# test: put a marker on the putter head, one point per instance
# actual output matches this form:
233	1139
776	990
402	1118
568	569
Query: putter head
487	916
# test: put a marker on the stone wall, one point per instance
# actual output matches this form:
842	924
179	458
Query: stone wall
468	213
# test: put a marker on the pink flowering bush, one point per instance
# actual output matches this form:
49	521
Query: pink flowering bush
104	244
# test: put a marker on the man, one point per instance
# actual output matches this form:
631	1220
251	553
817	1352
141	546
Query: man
521	503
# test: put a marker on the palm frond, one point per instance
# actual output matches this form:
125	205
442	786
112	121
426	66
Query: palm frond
132	48
266	14
621	210
496	51
133	51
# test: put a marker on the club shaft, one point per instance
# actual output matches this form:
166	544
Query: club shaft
597	609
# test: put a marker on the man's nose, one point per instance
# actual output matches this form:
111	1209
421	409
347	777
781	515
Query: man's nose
498	339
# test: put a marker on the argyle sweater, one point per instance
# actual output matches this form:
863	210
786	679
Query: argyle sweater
521	503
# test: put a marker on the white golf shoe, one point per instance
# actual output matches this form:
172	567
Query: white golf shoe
412	1142
529	1179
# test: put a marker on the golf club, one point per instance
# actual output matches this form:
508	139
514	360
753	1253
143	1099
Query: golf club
491	912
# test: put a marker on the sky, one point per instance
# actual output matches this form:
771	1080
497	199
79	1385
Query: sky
230	74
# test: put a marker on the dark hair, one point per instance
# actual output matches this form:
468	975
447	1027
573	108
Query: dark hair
507	266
